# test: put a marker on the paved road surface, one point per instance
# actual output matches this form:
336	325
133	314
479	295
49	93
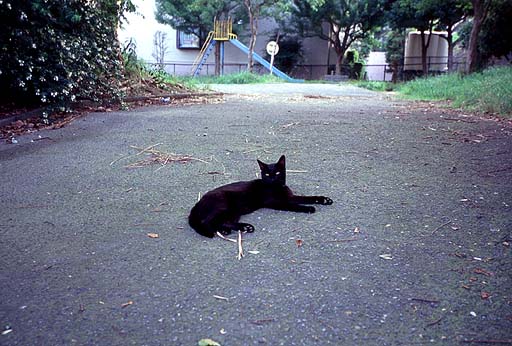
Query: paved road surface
415	249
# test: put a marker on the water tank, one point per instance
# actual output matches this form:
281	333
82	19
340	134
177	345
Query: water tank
437	52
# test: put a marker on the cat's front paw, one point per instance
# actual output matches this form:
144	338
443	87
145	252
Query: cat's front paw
324	200
246	227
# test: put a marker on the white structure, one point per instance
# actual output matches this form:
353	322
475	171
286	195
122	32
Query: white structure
377	68
437	52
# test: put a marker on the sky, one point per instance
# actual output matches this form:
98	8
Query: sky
142	25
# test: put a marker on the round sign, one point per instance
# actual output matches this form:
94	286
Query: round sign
272	48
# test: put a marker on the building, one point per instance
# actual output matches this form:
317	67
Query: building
181	49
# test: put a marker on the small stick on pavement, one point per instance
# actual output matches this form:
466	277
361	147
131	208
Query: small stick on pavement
342	240
502	342
143	150
441	226
225	238
240	249
433	323
432	301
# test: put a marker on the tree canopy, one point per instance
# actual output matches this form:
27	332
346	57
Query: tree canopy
341	22
193	16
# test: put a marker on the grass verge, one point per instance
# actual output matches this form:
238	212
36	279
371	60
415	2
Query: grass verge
236	78
487	91
376	86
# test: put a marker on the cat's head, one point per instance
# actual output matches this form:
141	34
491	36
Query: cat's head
274	173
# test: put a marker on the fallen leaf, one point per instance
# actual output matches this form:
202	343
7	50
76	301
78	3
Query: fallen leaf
386	256
208	342
482	272
299	242
223	331
356	230
253	252
485	295
153	235
128	303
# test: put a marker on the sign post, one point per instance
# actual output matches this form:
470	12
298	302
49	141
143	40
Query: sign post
272	50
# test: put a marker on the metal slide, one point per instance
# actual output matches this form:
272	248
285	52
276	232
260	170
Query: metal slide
264	62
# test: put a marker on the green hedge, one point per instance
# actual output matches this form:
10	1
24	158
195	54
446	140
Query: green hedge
56	52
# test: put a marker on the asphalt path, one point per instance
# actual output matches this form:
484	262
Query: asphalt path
414	250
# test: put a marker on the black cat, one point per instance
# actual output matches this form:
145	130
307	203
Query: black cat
220	209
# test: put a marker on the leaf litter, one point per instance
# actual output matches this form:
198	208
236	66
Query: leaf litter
156	157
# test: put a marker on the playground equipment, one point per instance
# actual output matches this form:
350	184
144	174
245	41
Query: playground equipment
223	32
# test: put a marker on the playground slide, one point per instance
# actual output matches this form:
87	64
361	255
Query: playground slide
264	62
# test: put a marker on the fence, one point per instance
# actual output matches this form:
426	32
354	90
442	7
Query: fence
374	72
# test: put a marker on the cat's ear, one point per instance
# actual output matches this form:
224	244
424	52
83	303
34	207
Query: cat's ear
281	161
262	165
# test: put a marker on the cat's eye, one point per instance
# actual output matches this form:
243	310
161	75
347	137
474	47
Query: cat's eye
267	174
277	173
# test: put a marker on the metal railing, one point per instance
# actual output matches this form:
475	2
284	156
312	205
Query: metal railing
376	72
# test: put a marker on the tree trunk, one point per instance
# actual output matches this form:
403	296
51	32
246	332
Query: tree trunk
424	66
339	60
340	47
480	8
217	59
253	23
424	49
450	48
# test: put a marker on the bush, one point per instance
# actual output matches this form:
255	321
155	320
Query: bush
55	52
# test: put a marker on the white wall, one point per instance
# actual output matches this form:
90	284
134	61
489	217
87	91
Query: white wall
376	67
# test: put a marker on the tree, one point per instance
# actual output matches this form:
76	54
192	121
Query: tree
395	51
420	15
451	13
495	39
193	16
340	22
480	10
159	48
254	8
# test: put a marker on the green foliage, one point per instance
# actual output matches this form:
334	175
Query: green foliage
134	68
290	53
489	91
55	52
193	16
395	47
349	21
238	78
376	86
495	38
